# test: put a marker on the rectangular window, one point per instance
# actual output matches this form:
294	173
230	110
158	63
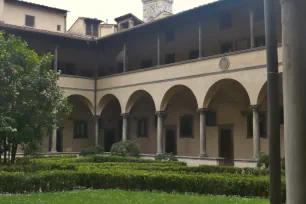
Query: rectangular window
95	30
194	54
146	63
30	21
58	28
260	41
186	127
262	125
226	47
142	127
80	129
170	35
88	29
225	21
170	58
211	118
124	25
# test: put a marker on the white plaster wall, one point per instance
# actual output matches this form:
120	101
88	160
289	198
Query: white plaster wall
106	29
44	18
79	27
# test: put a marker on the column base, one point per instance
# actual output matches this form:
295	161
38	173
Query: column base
53	151
203	155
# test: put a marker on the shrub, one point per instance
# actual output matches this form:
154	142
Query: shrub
215	184
165	157
263	161
32	148
125	148
92	151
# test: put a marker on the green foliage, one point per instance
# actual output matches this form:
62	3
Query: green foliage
33	101
32	148
125	148
215	184
165	157
92	151
263	161
111	172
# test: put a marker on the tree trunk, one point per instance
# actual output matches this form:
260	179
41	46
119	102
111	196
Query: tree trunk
13	154
4	157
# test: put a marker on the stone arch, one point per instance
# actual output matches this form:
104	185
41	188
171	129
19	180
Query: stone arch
84	100
104	101
225	84
173	91
134	97
262	95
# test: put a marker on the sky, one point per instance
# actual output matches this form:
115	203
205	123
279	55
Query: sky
110	9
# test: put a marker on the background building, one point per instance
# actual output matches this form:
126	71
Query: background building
193	83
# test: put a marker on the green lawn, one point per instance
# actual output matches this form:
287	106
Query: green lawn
122	197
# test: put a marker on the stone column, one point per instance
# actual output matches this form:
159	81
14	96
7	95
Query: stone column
158	49
200	40
160	127
124	58
54	138
256	131
252	34
1	10
96	134
125	117
55	59
203	115
294	63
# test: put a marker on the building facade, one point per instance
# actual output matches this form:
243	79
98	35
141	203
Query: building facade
193	84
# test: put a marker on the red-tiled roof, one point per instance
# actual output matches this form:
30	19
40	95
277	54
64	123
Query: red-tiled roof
37	5
129	15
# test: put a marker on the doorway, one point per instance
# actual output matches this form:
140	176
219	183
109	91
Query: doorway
226	145
109	139
59	140
170	140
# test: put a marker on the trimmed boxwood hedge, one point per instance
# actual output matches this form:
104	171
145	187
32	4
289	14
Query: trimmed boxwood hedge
213	169
93	159
216	184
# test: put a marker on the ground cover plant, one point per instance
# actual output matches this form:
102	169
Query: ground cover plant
123	197
125	173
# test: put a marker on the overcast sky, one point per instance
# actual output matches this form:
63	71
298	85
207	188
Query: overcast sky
110	9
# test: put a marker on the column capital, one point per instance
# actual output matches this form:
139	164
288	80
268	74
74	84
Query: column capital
254	107
160	113
202	110
125	115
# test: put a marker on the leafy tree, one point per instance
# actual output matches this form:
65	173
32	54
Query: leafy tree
31	102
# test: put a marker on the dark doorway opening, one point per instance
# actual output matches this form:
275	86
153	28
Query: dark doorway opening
59	140
109	139
226	146
170	141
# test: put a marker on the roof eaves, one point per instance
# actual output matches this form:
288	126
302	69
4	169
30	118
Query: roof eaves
46	32
38	5
160	20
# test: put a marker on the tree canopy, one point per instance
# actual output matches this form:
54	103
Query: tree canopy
31	102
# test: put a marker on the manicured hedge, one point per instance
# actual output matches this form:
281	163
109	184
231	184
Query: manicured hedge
31	168
213	169
100	159
216	184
